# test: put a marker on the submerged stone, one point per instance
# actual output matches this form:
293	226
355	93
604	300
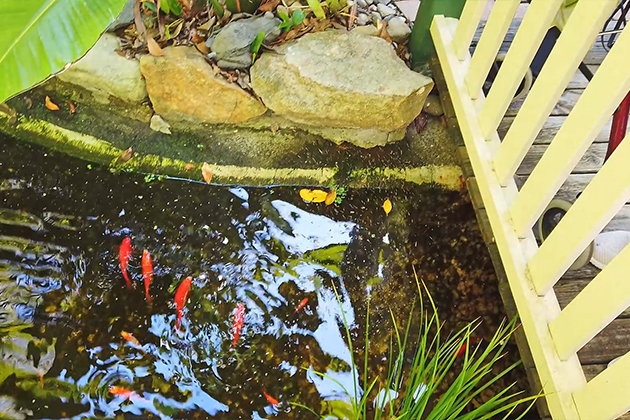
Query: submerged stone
342	81
232	44
183	87
105	73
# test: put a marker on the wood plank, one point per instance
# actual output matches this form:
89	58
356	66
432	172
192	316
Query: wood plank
551	127
591	162
581	320
565	104
567	290
610	343
579	81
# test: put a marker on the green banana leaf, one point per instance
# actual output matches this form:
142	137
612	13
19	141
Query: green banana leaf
39	37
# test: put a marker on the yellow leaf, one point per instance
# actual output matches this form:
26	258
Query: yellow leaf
387	206
313	196
154	48
330	197
51	105
206	172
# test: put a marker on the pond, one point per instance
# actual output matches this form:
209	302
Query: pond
78	343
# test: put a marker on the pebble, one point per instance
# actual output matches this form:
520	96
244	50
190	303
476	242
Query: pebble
372	8
433	106
376	17
282	8
362	3
385	10
369	30
159	125
369	1
363	19
398	29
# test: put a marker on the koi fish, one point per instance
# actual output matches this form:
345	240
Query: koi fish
129	337
122	392
147	272
271	399
301	305
123	256
180	298
239	320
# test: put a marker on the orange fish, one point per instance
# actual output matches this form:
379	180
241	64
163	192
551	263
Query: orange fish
462	349
123	256
301	305
271	399
122	392
239	320
129	337
180	298
147	272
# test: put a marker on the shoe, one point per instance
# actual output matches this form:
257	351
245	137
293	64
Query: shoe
607	246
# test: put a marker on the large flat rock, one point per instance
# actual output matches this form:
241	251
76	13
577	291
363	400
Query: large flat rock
183	87
344	81
105	73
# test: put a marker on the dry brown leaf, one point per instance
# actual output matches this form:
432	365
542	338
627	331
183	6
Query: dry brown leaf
382	33
125	156
137	17
203	48
268	6
352	17
28	102
274	128
330	197
154	48
51	105
161	20
208	25
189	166
206	172
73	109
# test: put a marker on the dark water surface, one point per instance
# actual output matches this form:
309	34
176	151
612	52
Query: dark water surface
64	303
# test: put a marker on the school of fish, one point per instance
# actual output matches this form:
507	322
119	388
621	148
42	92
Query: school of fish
181	295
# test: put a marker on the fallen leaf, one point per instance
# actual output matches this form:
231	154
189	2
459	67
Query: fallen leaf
208	25
158	124
387	206
51	105
161	19
125	156
382	33
206	172
154	48
137	17
269	6
73	109
189	166
203	48
330	197
274	128
352	17
313	196
28	102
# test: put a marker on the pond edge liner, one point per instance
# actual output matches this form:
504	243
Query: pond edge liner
100	151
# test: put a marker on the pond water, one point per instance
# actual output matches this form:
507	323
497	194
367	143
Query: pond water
65	306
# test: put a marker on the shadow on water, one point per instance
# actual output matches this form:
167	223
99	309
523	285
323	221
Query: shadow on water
64	303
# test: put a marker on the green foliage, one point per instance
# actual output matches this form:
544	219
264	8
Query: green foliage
218	9
171	6
412	389
296	18
316	7
151	6
39	37
244	6
256	44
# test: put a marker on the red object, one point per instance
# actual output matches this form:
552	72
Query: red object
271	399
180	298
122	392
147	272
301	305
239	320
619	126
123	256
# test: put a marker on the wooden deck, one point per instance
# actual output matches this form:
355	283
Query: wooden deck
614	340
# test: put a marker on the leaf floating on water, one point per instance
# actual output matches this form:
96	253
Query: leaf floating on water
387	206
330	197
313	196
189	166
73	109
154	49
125	156
51	105
206	172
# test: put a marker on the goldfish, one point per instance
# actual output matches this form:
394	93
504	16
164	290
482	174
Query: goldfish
123	256
271	399
301	305
462	349
147	272
129	337
180	298
239	319
122	392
